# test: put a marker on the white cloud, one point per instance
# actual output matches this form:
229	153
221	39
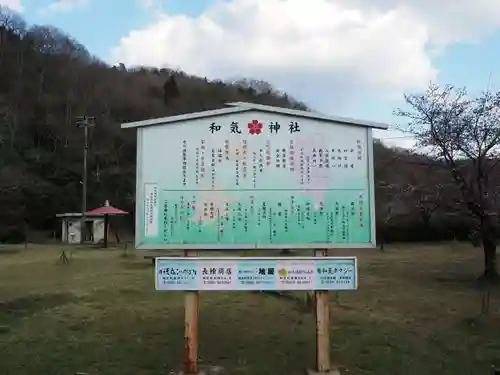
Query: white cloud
297	45
448	21
149	4
14	5
63	6
330	53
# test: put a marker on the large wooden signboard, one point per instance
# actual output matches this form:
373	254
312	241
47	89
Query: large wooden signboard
254	176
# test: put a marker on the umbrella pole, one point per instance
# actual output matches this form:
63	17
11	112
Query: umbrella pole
106	224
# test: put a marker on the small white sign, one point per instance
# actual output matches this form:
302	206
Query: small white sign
296	275
150	210
242	273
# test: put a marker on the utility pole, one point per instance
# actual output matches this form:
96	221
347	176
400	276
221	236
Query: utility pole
84	122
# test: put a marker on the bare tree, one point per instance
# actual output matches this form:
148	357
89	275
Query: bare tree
390	207
11	21
462	134
425	191
391	189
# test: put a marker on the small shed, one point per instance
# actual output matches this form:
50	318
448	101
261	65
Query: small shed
71	230
106	211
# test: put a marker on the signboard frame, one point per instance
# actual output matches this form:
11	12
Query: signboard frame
318	260
140	187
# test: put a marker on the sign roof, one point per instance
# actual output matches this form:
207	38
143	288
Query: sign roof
240	107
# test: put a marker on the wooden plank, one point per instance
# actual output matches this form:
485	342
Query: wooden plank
322	326
192	300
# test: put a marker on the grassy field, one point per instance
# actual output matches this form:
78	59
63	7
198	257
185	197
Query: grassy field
416	313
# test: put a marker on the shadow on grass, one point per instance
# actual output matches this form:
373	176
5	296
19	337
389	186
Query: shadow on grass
29	305
459	280
130	291
298	301
133	265
9	251
128	255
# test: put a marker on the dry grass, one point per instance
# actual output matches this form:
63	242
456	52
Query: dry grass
416	313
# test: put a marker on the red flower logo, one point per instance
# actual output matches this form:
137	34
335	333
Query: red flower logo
254	127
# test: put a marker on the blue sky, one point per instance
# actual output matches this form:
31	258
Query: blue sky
100	24
97	25
336	85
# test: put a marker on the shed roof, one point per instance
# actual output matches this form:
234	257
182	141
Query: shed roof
79	214
240	107
107	209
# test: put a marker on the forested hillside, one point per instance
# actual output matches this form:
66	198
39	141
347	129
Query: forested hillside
47	79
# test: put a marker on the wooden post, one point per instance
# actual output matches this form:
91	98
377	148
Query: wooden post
191	327
322	326
106	228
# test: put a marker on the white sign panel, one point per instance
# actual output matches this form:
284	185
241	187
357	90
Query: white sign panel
255	180
237	273
150	210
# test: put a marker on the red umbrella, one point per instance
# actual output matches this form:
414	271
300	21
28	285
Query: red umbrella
106	210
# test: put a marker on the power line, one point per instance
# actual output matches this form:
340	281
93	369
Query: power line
401	137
